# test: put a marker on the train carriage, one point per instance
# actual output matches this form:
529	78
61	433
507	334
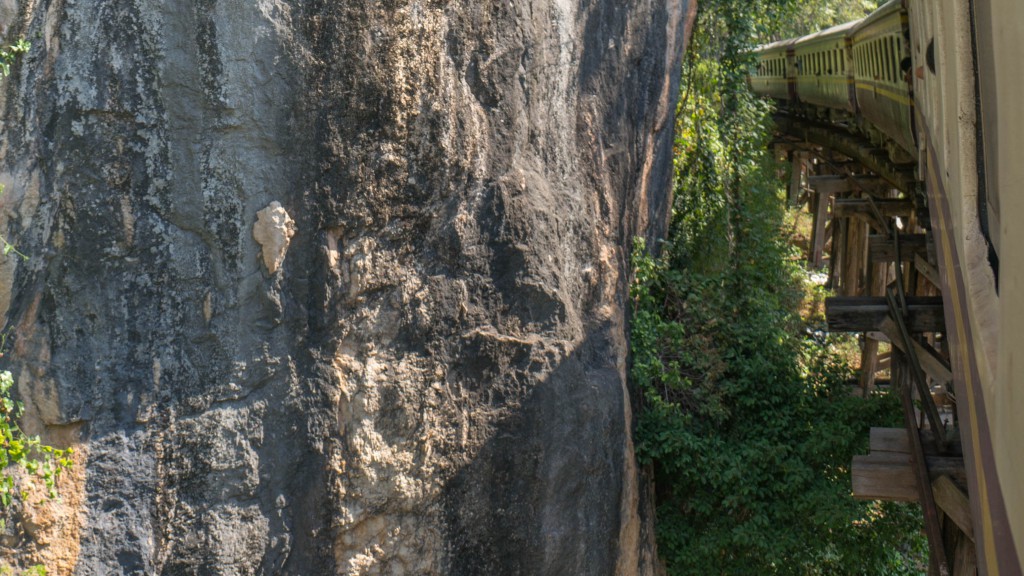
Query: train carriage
773	74
881	62
824	69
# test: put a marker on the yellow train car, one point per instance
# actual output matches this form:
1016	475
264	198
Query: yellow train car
967	83
881	63
824	69
773	74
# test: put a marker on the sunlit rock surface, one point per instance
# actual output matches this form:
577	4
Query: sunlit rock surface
413	360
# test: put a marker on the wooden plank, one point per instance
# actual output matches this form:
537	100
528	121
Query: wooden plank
927	270
934	366
869	313
889	207
895	440
954	503
965	558
882	249
883	361
876	478
888	440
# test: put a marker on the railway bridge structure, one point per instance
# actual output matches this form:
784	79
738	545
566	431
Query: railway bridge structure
905	133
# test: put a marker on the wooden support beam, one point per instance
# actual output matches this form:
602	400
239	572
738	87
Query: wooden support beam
890	476
901	175
882	249
895	440
869	313
883	476
933	365
953	503
840	184
932	527
927	270
849	207
965	558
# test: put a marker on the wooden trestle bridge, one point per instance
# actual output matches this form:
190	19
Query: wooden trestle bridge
884	270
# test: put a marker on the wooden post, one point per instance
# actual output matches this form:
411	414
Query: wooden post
817	244
796	176
869	357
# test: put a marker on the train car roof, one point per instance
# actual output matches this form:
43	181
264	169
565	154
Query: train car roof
883	11
828	33
775	45
838	30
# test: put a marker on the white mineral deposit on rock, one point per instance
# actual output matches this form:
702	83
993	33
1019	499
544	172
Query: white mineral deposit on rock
273	230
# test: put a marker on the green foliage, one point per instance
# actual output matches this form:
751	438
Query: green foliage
27	452
748	424
9	54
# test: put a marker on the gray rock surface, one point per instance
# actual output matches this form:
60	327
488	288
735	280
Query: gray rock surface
413	360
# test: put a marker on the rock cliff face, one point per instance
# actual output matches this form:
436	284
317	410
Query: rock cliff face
333	287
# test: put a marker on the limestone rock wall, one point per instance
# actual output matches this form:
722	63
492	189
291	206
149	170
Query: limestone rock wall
334	287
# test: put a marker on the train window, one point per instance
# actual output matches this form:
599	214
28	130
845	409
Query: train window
892	59
883	59
870	53
878	59
870	48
